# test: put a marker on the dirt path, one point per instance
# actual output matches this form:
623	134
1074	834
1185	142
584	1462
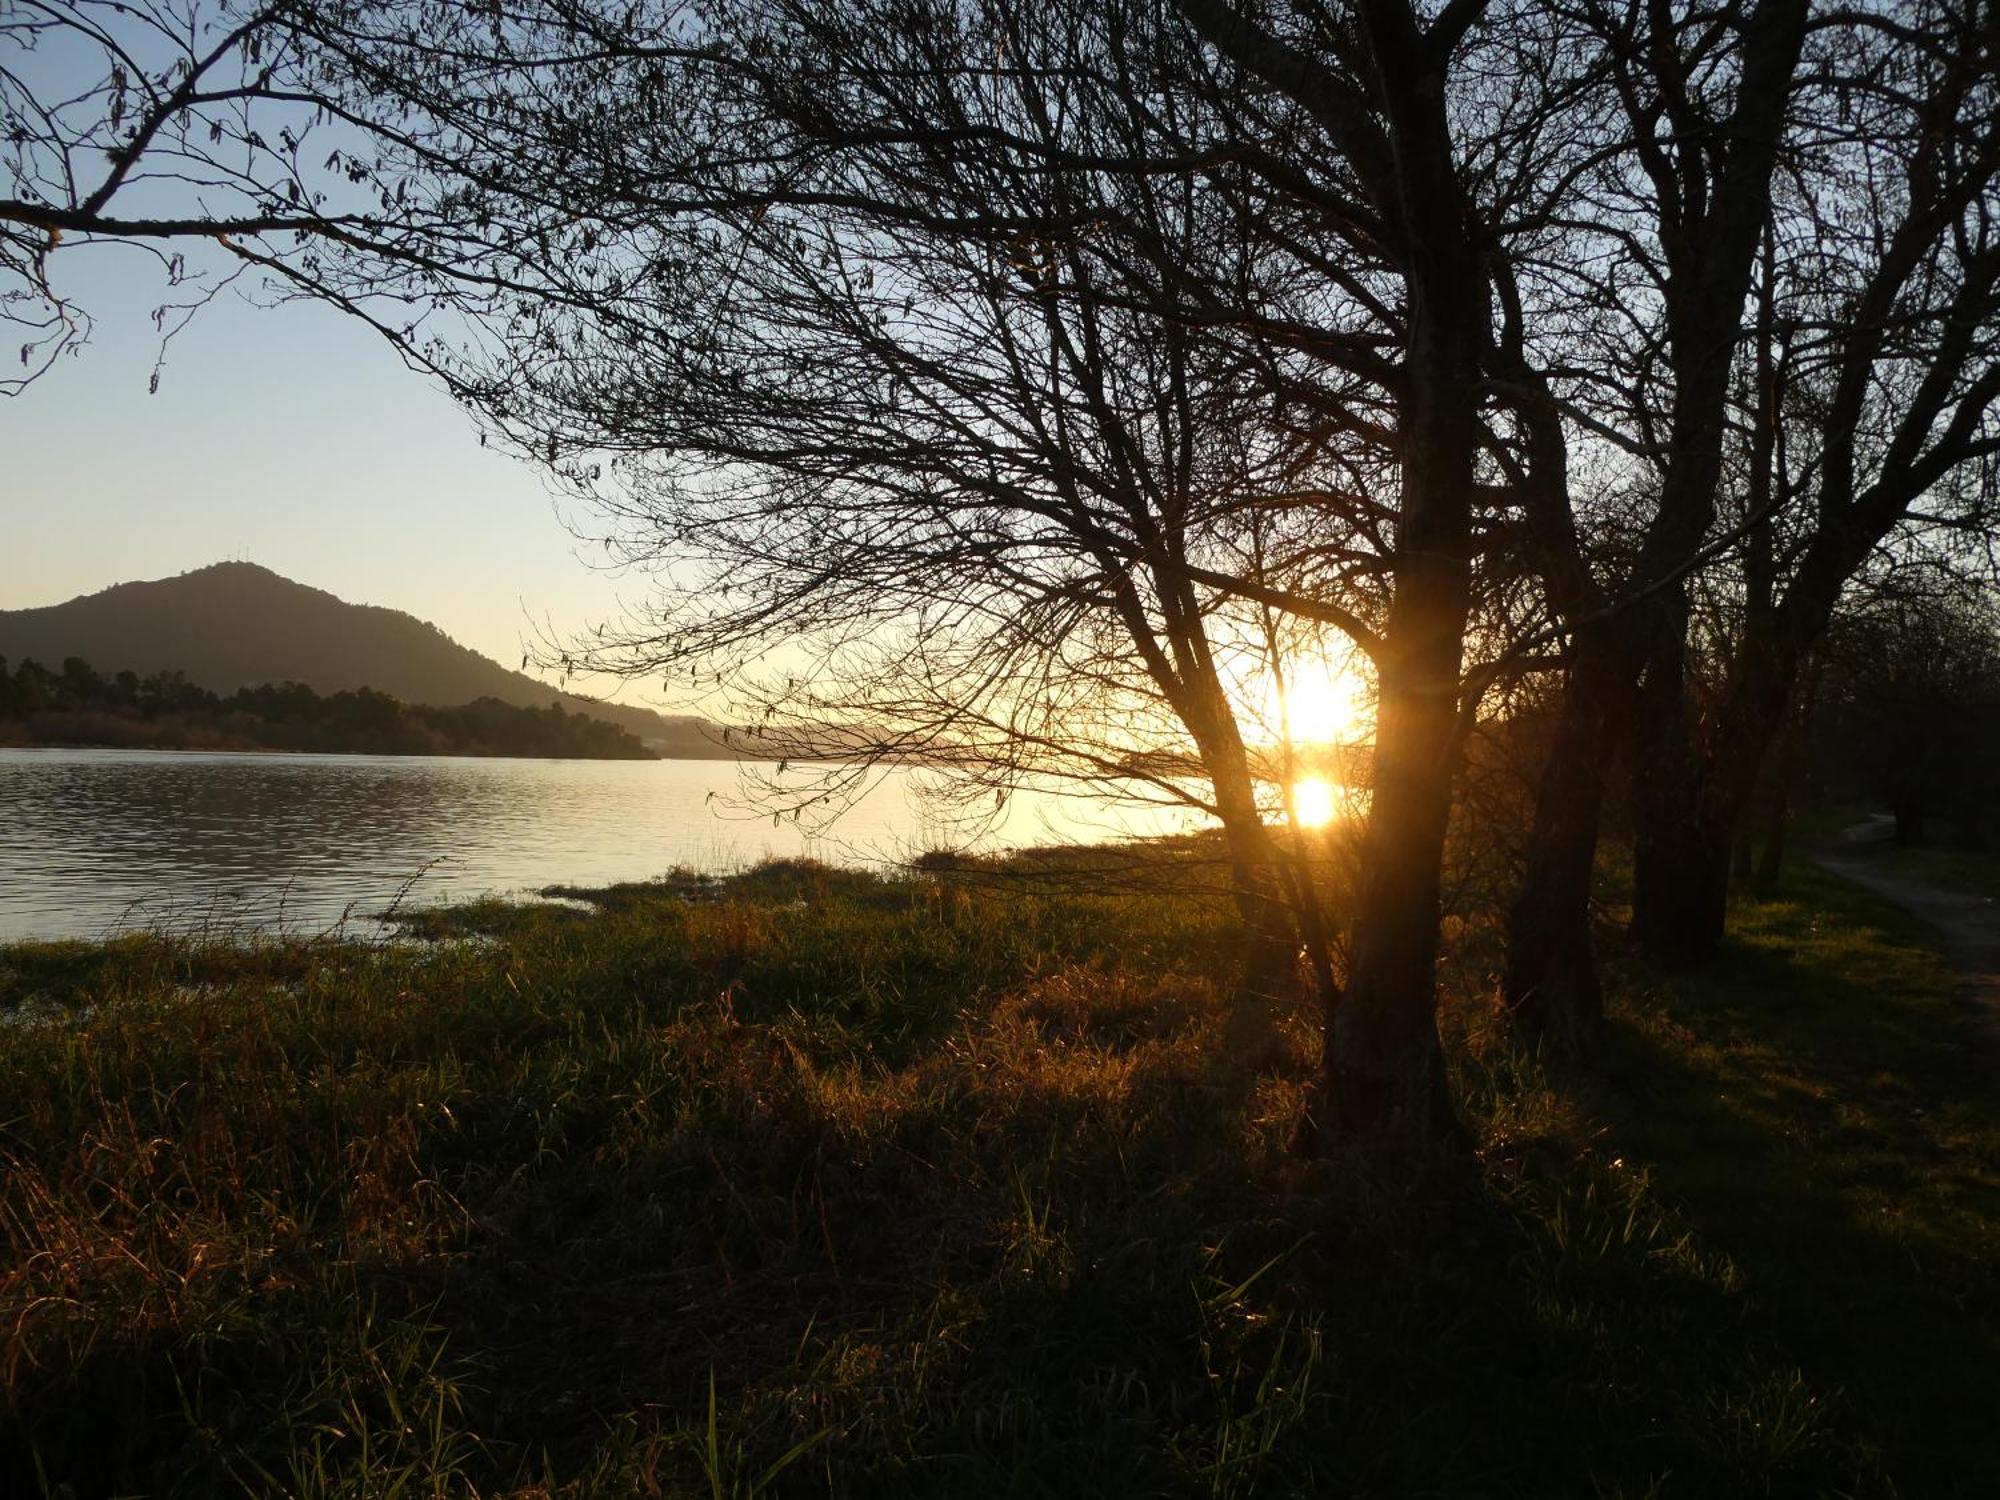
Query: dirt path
1968	925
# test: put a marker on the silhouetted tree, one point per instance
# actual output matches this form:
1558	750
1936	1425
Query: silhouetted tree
1909	712
1006	384
1041	365
1855	150
1676	209
1031	361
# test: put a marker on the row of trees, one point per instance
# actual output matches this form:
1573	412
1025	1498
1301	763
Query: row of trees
78	706
1044	383
1903	709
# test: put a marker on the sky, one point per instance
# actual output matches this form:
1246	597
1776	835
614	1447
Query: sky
289	436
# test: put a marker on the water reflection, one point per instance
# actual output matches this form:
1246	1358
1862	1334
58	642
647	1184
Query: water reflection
95	840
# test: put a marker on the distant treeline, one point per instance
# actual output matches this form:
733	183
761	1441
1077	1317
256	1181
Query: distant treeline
79	706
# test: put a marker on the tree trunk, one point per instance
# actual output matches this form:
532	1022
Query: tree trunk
1270	946
1771	863
1550	985
1680	885
1742	858
1383	1078
1783	771
1680	892
1384	1062
1695	798
1680	848
1270	933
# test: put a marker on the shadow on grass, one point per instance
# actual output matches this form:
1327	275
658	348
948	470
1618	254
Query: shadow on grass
1825	1106
876	1188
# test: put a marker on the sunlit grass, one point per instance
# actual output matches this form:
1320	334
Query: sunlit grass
948	1185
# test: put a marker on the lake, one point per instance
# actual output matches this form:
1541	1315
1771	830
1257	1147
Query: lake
95	841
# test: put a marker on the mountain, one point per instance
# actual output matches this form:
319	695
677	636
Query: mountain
236	625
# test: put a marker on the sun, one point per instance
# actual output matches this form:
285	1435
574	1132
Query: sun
1323	706
1313	802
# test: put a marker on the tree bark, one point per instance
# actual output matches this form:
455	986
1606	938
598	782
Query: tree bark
1272	927
1714	206
1700	795
1384	1062
1771	860
1909	823
1680	846
1383	1077
1680	892
1550	985
1742	858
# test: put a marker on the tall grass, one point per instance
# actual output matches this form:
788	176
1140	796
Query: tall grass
816	1183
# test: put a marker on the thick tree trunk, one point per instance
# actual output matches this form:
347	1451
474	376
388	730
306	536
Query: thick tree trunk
1742	858
1771	861
1680	891
1681	829
1695	799
1550	985
1909	823
1384	1076
1384	1062
1681	843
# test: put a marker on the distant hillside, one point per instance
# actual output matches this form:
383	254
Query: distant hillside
237	625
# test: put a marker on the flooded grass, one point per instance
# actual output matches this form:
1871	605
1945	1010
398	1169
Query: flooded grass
815	1182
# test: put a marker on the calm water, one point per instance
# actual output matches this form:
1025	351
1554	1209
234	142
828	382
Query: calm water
96	840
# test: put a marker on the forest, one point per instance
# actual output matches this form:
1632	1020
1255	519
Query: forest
164	711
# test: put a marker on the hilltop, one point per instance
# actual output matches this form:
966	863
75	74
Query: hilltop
235	624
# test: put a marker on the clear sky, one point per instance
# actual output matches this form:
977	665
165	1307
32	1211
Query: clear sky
287	436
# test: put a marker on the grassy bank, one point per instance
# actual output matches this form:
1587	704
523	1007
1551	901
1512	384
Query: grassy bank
817	1183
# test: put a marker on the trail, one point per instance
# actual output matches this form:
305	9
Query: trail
1968	925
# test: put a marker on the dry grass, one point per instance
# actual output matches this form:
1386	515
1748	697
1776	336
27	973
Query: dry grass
816	1183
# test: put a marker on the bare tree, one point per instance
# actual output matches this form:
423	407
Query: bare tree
1006	385
1675	207
216	140
1793	195
905	335
1909	714
1042	365
1887	294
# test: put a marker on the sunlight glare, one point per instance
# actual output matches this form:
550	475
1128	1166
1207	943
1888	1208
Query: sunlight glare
1323	706
1313	801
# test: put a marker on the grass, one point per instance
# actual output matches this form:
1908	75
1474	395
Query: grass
817	1183
1824	1103
1936	862
1972	871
